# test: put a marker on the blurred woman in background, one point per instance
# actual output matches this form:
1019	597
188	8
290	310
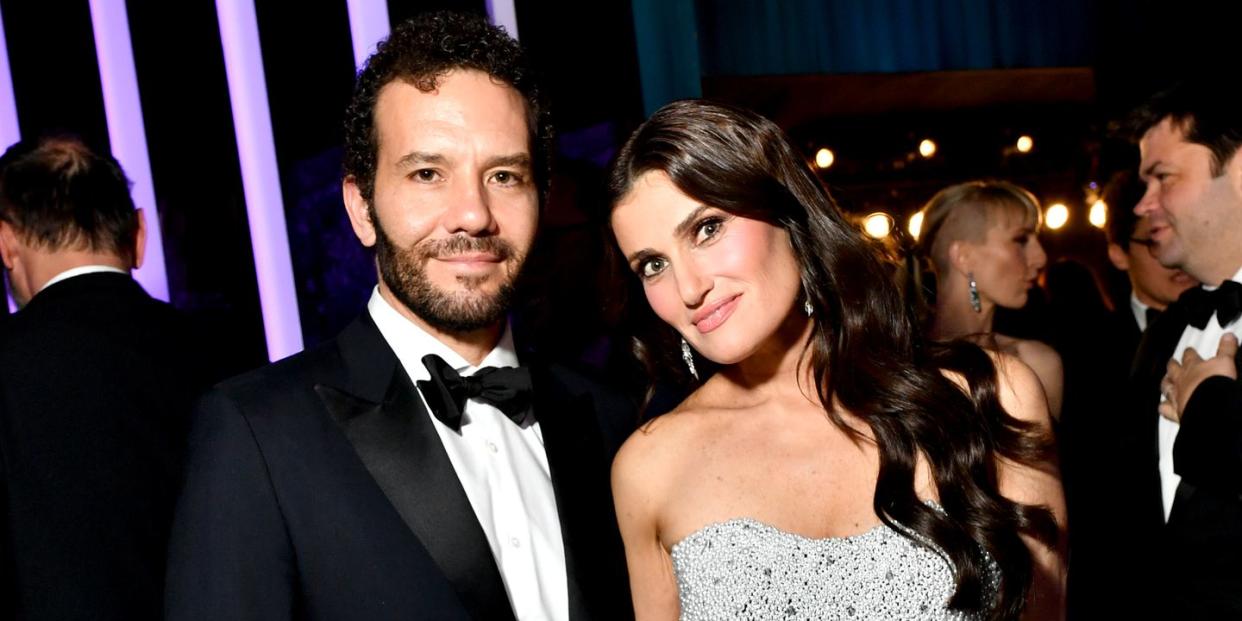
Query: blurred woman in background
980	238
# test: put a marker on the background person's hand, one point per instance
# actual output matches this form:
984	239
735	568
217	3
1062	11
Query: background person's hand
1181	380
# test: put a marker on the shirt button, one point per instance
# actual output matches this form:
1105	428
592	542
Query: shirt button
491	446
513	541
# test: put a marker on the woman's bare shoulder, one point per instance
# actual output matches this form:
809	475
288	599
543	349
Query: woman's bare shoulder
1036	354
1037	351
664	445
1020	387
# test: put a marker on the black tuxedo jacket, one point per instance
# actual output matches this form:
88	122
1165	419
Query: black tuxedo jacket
97	381
317	488
1191	566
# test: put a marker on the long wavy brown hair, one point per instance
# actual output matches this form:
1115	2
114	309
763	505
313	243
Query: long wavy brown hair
865	349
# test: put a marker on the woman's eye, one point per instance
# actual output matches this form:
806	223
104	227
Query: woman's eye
651	267
708	229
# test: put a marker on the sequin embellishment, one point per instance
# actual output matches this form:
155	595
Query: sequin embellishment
746	569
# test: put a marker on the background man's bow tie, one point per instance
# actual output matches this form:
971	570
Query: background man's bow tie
1225	301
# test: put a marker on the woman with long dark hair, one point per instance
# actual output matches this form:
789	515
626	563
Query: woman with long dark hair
835	465
981	238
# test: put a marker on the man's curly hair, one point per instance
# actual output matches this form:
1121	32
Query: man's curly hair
420	52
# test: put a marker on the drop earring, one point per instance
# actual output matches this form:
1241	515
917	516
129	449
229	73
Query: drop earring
975	304
688	356
807	307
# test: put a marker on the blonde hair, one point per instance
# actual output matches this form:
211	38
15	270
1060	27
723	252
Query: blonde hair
966	211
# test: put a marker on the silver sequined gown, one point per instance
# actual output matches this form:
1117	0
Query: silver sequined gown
745	569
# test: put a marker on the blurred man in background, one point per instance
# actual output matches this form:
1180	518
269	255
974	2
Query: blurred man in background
96	385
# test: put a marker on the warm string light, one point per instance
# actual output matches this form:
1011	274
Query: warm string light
1056	216
1098	215
824	158
915	225
927	148
878	225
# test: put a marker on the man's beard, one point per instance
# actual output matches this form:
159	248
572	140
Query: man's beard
404	271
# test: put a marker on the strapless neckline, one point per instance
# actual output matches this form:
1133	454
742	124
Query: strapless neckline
776	529
707	530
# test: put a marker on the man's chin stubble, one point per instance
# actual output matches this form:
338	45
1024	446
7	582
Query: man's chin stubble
462	307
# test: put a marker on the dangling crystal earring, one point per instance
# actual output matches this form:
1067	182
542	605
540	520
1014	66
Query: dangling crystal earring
688	356
974	294
807	307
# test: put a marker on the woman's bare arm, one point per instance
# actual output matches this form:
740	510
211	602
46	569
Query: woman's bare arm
1021	393
638	476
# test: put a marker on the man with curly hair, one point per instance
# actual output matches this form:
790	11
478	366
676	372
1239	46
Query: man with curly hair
414	467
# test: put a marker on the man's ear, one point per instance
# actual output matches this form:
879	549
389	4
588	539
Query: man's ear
1119	258
140	239
8	245
358	210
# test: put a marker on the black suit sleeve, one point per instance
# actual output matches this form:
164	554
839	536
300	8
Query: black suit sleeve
229	556
1208	451
8	572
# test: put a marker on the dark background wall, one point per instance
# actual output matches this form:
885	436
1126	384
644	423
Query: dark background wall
814	66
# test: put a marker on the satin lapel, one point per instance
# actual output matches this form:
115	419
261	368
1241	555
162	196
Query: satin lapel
575	452
396	441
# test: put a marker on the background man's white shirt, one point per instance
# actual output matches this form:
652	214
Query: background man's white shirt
1140	312
1205	342
79	271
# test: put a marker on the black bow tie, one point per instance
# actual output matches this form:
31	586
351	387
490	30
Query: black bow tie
1225	302
506	388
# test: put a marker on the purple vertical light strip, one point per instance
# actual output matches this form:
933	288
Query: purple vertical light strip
10	131
368	23
503	13
127	132
256	151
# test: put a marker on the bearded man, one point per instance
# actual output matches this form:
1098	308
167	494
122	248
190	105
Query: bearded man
414	467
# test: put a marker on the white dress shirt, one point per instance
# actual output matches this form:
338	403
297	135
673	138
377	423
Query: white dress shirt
79	271
1205	342
1140	312
503	469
